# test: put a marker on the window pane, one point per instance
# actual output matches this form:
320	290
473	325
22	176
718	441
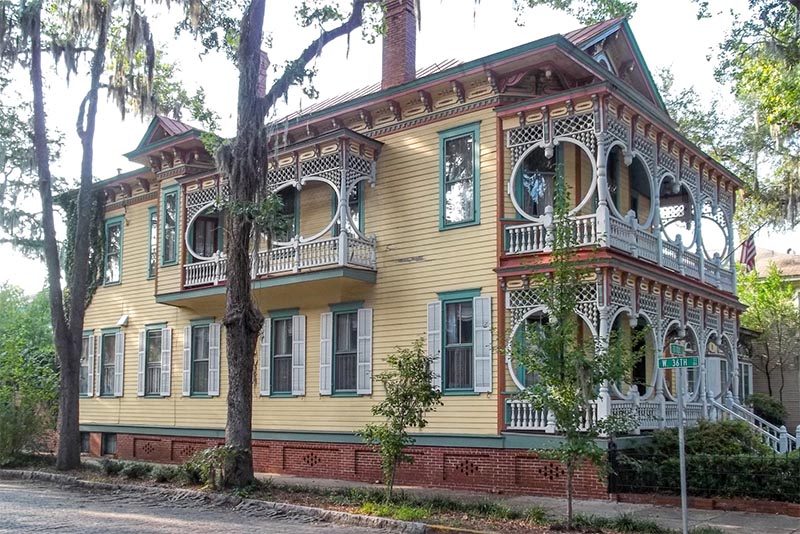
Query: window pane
170	226
84	378
151	268
200	359
152	376
458	345
459	179
345	355
459	368
107	372
282	356
288	196
282	374
113	244
282	337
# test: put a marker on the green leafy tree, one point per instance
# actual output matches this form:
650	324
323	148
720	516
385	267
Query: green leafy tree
772	312
568	372
410	396
28	374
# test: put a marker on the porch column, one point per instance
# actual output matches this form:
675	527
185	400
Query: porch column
343	204
602	213
603	332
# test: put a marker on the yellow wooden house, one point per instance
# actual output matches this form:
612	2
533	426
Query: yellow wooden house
410	215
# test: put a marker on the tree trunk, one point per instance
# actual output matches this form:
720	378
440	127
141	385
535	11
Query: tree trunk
570	475
242	317
67	329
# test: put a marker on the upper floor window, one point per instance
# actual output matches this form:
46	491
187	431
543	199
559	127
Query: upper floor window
169	247
355	208
153	240
289	198
537	180
459	167
207	235
113	251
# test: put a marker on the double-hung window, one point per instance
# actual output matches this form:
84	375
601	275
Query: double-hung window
112	353
745	380
459	168
346	350
288	214
155	361
283	354
87	366
169	212
153	242
201	350
113	251
460	342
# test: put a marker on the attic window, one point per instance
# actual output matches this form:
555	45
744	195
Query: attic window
602	58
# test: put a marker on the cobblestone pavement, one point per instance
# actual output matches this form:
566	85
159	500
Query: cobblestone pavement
27	506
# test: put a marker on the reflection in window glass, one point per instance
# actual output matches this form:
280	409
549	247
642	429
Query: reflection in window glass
345	369
282	356
113	252
170	227
459	179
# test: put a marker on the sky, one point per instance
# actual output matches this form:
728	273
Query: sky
668	34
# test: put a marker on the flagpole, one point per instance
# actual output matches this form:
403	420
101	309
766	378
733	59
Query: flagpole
751	234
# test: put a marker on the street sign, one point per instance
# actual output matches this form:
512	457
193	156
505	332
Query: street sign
678	363
677	349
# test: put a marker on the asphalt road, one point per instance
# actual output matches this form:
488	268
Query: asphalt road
27	506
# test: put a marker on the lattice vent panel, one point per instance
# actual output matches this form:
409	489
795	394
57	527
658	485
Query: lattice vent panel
672	310
520	139
197	200
689	178
693	316
646	148
729	327
649	305
281	175
668	161
580	127
617	129
521	301
327	167
621	295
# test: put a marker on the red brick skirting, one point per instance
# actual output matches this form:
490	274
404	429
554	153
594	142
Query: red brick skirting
480	469
716	503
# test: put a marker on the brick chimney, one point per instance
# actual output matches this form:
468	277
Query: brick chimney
399	43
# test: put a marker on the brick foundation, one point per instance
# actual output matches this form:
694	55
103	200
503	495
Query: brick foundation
480	469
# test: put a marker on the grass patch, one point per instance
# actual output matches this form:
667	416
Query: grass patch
537	515
625	523
403	512
706	530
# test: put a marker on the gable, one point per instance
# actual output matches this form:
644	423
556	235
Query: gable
613	45
160	128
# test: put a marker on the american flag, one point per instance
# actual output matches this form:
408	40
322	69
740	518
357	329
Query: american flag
748	257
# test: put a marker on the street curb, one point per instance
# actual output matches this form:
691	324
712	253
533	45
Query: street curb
218	499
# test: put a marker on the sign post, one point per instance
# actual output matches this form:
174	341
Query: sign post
679	361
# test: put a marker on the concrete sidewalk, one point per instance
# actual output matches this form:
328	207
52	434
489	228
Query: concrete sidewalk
666	516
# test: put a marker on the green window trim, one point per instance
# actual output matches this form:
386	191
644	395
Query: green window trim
273	318
152	262
283	313
113	221
198	323
360	189
456	297
337	310
86	335
472	129
100	354
163	261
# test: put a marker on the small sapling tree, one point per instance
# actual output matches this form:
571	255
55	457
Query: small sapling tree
568	372
410	395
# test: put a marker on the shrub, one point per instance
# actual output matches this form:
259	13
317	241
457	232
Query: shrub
165	473
111	467
207	467
135	470
768	408
723	438
403	512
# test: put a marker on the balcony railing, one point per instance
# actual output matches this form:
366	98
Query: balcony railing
529	238
336	251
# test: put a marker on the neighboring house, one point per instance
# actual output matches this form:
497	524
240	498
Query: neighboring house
411	215
784	372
